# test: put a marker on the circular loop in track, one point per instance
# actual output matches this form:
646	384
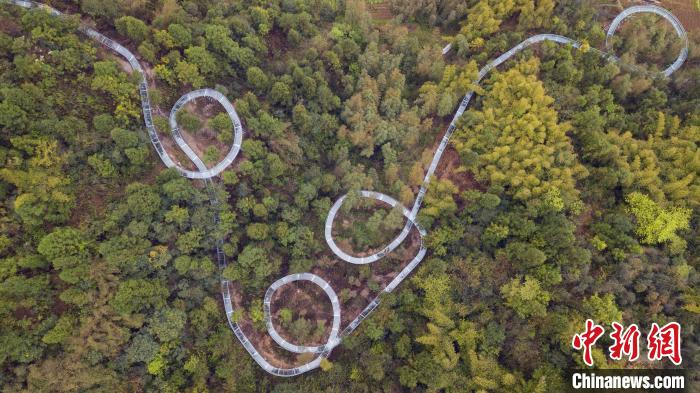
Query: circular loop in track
335	303
203	172
380	254
662	12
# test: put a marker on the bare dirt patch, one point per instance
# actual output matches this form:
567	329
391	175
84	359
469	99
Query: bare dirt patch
177	155
276	42
262	341
684	10
10	26
583	222
357	285
447	169
380	10
90	203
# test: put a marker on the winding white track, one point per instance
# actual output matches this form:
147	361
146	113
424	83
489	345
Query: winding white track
204	173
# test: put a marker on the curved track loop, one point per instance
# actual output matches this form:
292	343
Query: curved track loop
203	172
335	303
662	12
334	339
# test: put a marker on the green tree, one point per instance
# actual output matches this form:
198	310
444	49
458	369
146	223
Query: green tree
190	240
142	200
104	9
181	35
65	248
526	297
188	73
188	121
257	78
61	330
133	28
257	231
221	123
203	59
252	268
42	193
167	324
135	295
281	93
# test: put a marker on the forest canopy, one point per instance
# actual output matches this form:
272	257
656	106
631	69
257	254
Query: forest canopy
570	190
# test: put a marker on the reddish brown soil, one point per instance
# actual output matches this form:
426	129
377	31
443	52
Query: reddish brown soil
355	279
150	177
23	312
276	42
343	277
450	162
175	153
272	352
685	11
10	26
583	222
380	11
446	169
384	273
91	202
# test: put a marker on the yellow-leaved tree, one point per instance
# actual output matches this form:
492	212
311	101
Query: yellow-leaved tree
657	225
43	190
516	143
